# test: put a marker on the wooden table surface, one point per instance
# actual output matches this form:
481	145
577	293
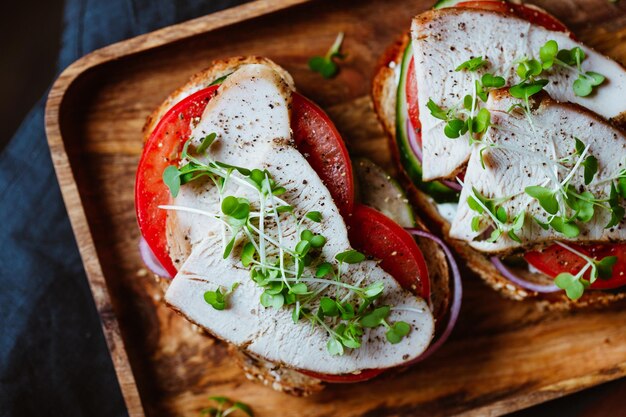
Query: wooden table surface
100	118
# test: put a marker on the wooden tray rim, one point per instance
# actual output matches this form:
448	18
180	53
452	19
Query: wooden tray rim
72	199
67	182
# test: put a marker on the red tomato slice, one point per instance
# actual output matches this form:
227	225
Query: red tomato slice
319	141
162	149
378	236
555	259
314	134
411	99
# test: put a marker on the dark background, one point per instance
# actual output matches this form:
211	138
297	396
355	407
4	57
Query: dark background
53	359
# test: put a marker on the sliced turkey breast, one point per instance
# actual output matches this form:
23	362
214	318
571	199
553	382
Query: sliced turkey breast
443	39
525	155
251	118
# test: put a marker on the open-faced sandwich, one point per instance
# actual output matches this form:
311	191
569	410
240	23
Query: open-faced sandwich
508	132
245	196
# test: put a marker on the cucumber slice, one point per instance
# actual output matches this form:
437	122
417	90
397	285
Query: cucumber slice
378	190
411	164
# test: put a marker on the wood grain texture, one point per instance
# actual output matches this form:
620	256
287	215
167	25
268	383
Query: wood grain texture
503	355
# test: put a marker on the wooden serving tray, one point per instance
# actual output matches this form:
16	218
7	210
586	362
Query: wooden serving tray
503	356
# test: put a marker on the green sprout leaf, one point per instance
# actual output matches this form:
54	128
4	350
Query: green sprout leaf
334	347
323	269
476	223
511	233
468	101
329	307
547	53
617	211
242	171
436	111
472	64
397	332
350	257
492	81
374	290
529	68
272	300
230	205
229	247
571	284
306	235
482	121
206	142
247	254
455	128
299	289
480	91
591	168
243	408
585	207
586	82
376	317
171	178
605	267
546	198
317	241
580	147
473	204
220	400
502	215
215	299
518	221
314	216
347	310
565	227
302	248
219	80
326	65
527	89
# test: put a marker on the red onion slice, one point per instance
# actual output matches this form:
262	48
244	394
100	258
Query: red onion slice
150	260
457	294
416	147
452	184
540	288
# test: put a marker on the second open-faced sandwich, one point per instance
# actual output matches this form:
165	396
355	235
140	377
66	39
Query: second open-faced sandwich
508	132
245	196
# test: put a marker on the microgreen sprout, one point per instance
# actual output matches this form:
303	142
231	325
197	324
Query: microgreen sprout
492	216
217	299
295	276
570	59
326	65
472	64
566	205
575	285
466	117
225	407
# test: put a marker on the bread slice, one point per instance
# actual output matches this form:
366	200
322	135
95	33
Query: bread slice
279	377
384	91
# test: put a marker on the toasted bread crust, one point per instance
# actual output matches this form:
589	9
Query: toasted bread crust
384	90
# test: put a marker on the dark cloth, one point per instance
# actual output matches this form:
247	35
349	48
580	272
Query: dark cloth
53	357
